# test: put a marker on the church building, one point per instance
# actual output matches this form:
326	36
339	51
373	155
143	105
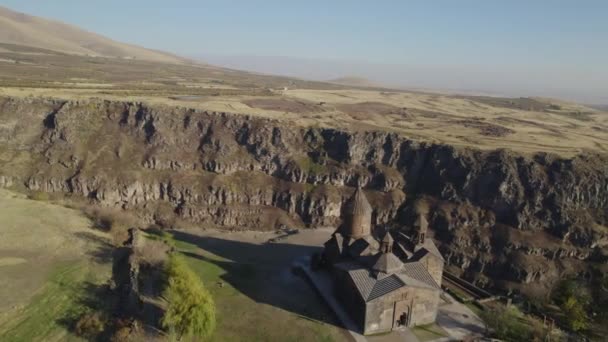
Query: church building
385	282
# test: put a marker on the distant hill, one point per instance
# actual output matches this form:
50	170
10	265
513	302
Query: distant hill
353	81
22	29
600	107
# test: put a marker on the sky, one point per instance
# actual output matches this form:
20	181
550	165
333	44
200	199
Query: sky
516	48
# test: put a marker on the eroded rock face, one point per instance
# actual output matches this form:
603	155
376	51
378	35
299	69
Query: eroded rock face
488	207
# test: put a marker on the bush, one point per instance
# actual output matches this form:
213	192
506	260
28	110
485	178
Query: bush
89	325
506	324
126	330
190	310
165	215
575	314
113	221
573	299
39	196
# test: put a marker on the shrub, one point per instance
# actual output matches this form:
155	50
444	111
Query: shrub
89	325
165	215
39	196
573	299
506	324
575	314
190	310
152	252
114	221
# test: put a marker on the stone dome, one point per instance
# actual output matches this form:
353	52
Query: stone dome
357	215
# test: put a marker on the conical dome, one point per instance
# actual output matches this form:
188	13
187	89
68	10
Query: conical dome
358	204
357	215
388	238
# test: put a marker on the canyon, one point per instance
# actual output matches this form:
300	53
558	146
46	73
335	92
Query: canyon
503	219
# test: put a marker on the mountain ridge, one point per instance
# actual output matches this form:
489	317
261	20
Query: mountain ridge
27	30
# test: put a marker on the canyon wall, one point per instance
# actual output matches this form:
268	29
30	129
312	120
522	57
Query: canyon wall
500	218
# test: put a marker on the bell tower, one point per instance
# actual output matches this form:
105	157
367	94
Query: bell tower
420	228
386	245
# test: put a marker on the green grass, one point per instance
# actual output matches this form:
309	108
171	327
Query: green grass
308	165
429	332
242	318
59	301
474	307
459	294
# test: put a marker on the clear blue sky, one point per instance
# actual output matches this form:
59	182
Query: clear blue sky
509	34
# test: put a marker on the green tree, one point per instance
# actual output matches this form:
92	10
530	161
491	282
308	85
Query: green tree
575	313
573	298
190	311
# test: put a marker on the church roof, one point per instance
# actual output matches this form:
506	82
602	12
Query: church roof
388	238
386	263
370	288
358	204
371	285
335	243
416	271
358	248
428	247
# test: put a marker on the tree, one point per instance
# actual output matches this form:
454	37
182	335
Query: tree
190	312
573	299
575	313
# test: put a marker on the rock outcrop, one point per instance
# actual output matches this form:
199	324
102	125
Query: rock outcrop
516	218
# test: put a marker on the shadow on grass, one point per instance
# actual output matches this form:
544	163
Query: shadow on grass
263	273
114	305
103	252
92	298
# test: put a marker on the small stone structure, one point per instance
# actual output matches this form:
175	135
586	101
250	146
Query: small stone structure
383	282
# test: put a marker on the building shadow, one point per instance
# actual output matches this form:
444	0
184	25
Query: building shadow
263	273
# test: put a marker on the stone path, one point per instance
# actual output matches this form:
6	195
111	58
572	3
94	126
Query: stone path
459	321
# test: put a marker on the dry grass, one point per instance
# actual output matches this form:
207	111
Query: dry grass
526	125
47	255
113	221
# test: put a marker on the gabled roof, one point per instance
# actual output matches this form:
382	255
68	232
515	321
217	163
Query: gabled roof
417	272
334	244
370	288
358	247
427	247
372	285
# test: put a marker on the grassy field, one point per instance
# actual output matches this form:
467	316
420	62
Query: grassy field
522	124
49	260
49	315
429	332
239	290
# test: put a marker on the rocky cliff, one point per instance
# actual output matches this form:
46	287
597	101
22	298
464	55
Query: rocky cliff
516	218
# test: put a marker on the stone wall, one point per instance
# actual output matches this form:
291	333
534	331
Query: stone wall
420	302
434	265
